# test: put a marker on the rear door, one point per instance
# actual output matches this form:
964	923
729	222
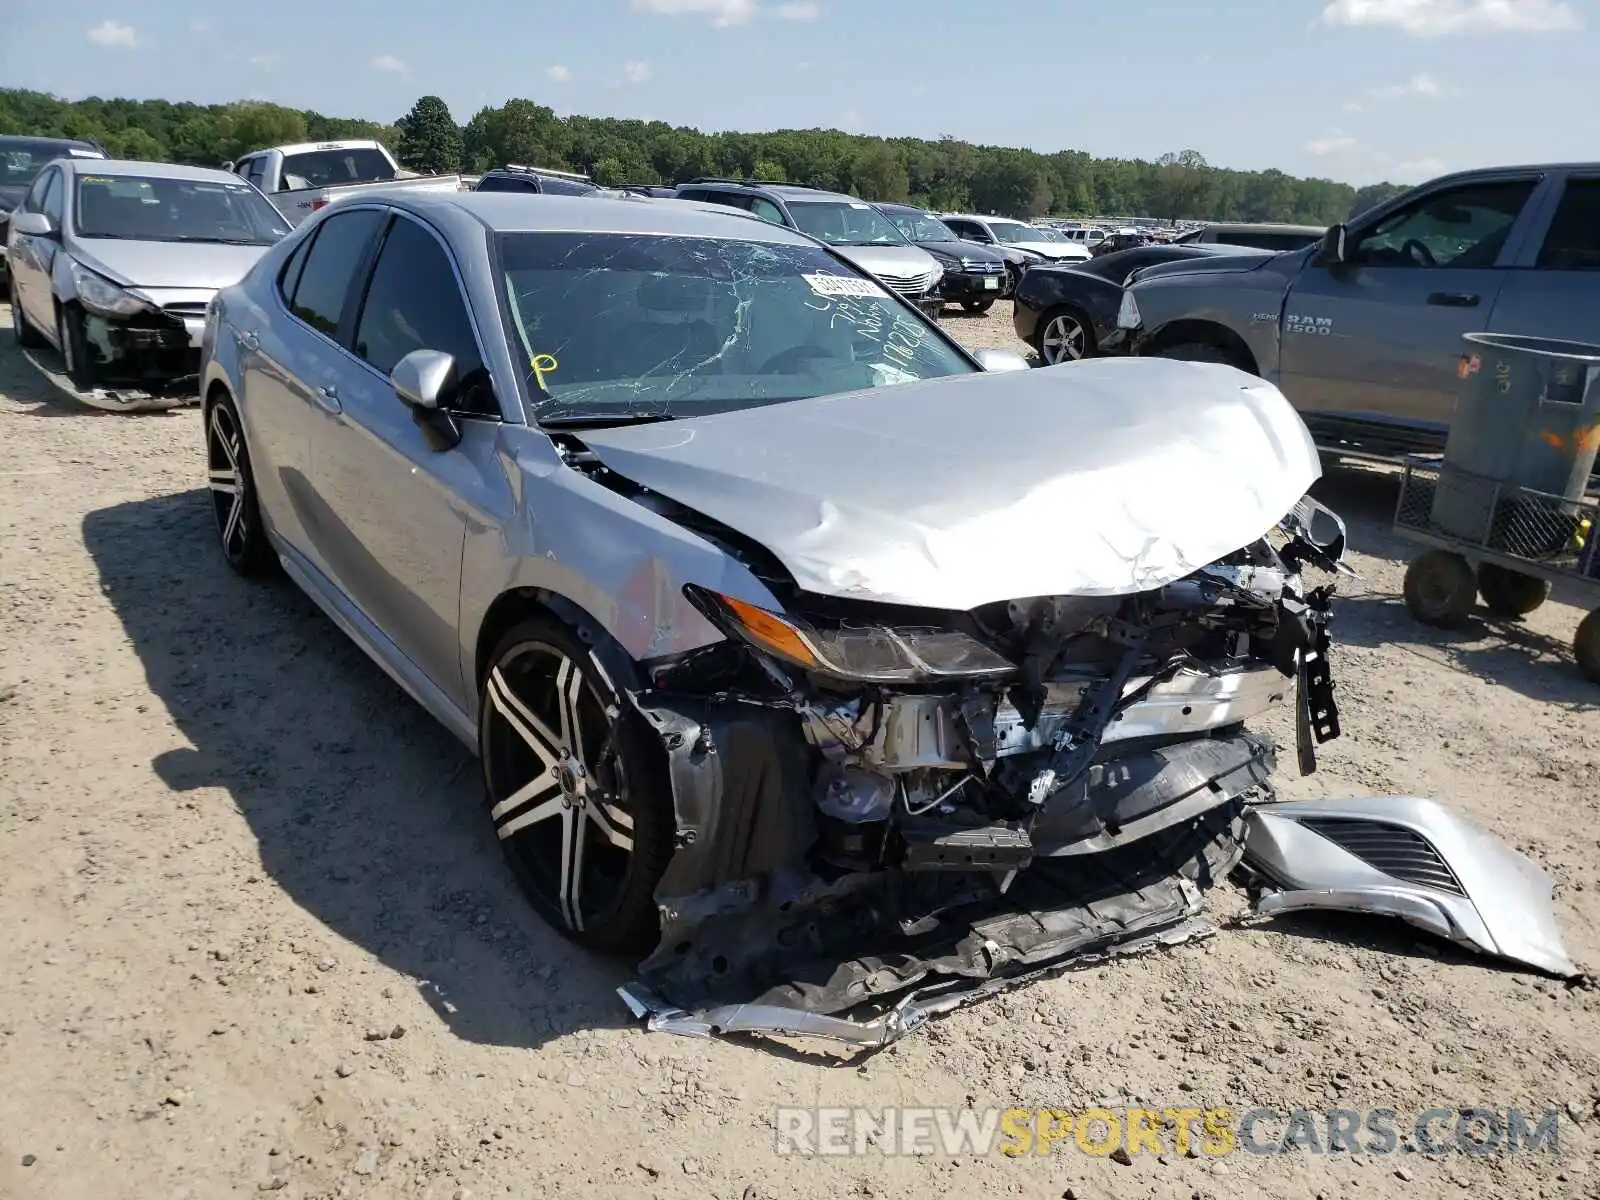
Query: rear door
290	362
30	257
395	510
1553	290
1377	338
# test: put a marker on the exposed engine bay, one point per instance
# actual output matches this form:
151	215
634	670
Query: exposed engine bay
881	810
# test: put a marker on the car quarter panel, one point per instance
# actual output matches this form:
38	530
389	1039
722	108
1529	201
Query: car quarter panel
622	563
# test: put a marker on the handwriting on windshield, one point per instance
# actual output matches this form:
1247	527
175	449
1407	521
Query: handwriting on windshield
541	364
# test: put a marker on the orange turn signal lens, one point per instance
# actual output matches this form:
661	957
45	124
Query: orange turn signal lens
772	632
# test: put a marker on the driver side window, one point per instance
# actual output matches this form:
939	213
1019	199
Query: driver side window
1460	227
52	205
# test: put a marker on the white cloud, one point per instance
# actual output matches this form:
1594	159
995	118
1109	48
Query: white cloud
1417	85
636	72
558	74
114	33
1335	144
799	10
263	60
1440	18
388	62
721	12
1417	170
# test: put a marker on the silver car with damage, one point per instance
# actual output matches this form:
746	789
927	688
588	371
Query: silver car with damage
833	677
114	262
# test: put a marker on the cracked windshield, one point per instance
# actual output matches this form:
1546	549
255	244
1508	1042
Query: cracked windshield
631	328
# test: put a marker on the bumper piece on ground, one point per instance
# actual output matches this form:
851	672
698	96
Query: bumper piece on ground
1400	856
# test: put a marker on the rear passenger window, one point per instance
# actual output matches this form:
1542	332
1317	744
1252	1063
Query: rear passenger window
766	210
289	278
1573	243
415	303
330	268
499	183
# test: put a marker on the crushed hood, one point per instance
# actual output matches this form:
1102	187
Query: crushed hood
204	265
1103	477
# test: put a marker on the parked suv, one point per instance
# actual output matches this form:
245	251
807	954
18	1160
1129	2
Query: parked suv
974	275
21	160
544	181
853	227
1362	331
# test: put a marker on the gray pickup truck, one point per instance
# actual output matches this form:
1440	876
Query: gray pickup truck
1362	331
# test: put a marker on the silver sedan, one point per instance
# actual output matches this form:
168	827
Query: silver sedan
114	262
781	625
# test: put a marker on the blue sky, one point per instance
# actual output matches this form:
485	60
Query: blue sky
1350	89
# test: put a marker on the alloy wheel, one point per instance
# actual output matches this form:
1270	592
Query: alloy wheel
557	788
228	481
1063	339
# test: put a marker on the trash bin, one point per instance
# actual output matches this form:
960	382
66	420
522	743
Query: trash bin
1527	421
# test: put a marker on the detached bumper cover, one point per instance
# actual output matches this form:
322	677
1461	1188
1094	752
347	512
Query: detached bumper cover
1415	859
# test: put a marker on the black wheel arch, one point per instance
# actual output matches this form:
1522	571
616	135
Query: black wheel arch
516	605
1206	333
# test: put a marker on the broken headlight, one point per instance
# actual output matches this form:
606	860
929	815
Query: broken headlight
866	653
100	295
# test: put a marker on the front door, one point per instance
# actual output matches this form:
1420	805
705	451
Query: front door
395	510
1378	338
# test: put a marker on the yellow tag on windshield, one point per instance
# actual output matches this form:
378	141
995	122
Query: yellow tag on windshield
542	363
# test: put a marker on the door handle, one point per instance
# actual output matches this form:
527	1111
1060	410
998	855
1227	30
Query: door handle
328	397
250	341
1454	299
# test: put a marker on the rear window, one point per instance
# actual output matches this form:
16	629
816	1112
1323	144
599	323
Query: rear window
329	168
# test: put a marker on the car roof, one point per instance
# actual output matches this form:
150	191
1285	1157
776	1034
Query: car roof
509	212
976	217
791	193
47	143
128	167
1266	227
331	144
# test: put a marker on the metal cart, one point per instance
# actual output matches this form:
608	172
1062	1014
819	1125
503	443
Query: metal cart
1505	543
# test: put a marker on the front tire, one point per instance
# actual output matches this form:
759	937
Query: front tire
1586	646
28	337
576	788
1198	352
74	347
976	307
1064	336
232	485
1440	589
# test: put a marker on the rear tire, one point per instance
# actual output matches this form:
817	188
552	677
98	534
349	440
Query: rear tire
28	337
1510	593
1065	335
1586	646
240	530
1440	589
976	307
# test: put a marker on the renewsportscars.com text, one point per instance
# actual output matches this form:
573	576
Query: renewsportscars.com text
1209	1132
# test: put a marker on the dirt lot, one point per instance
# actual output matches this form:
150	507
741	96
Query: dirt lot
256	936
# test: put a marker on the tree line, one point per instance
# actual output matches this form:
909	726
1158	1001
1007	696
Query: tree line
944	174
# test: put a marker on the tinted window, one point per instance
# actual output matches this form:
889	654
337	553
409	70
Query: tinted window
1460	227
621	324
766	210
324	168
289	279
330	268
502	183
1266	241
35	199
692	194
731	199
1573	243
51	205
256	172
552	186
415	303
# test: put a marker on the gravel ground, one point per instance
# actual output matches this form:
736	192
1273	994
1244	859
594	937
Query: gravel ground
255	935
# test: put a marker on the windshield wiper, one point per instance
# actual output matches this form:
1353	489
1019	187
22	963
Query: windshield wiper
220	241
595	419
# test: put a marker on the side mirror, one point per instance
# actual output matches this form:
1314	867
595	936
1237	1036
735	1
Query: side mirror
1001	360
425	380
1332	251
227	166
33	224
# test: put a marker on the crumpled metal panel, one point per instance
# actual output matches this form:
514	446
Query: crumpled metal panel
1406	857
1113	477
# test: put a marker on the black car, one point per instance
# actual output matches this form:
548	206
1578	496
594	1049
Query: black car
974	275
21	158
1066	313
543	181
